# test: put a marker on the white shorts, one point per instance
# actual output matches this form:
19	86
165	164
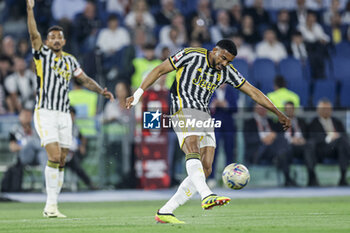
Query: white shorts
206	134
53	126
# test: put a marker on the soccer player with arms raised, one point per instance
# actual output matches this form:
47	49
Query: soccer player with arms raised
53	123
199	73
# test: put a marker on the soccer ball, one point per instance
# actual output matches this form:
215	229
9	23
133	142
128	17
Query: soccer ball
235	176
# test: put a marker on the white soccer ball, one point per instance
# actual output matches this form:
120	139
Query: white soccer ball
235	176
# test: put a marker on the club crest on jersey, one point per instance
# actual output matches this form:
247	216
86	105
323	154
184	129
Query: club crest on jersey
61	72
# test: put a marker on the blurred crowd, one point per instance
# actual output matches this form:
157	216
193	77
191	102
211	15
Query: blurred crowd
118	42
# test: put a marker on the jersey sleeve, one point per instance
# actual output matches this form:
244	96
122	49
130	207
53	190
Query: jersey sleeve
233	77
180	59
76	67
43	51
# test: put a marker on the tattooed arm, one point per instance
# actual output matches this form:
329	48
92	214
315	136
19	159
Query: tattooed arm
90	84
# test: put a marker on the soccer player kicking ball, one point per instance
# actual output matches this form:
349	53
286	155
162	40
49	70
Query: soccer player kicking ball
53	123
199	73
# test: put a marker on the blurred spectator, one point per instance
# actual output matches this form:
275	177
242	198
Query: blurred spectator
346	14
166	13
193	44
86	27
199	31
141	37
26	144
106	39
21	87
248	30
236	15
23	50
330	138
336	30
312	31
222	29
84	101
259	14
177	22
270	47
144	65
116	111
223	105
281	95
283	27
13	18
299	147
225	4
77	152
316	41
330	12
264	145
8	47
5	70
203	12
63	12
297	47
43	14
298	16
117	6
244	51
67	9
140	16
172	44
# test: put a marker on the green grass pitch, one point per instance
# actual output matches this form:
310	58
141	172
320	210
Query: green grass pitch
302	215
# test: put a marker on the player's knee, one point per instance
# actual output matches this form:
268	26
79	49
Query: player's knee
55	157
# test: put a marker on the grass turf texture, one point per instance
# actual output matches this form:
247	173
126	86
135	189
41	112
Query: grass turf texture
268	215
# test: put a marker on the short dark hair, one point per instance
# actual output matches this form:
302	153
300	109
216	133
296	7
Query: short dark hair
112	17
228	45
289	102
54	28
280	81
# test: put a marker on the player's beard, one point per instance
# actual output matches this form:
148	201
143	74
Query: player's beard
55	48
214	65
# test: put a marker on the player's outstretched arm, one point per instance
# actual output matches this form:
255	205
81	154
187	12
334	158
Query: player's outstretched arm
34	34
264	101
90	84
155	74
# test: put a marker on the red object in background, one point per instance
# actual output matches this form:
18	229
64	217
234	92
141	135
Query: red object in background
152	151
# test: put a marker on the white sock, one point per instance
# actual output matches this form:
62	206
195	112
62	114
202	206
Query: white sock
184	193
196	174
60	181
51	181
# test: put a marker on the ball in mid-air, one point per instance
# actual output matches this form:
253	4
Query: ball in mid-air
235	176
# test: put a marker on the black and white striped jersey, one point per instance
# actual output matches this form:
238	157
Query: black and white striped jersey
53	77
196	80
